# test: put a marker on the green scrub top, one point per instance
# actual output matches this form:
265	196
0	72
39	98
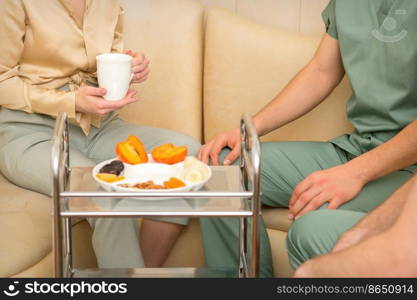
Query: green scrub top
378	44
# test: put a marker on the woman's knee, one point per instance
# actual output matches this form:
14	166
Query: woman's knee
26	167
185	140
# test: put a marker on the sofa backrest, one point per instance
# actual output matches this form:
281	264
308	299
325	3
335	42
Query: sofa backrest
170	32
247	64
293	15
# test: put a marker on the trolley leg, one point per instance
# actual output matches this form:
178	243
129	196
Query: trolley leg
244	271
68	247
241	249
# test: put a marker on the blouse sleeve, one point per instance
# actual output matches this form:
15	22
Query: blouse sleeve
329	18
15	93
118	45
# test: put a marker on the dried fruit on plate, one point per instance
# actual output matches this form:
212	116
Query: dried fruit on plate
174	183
132	151
148	185
169	154
109	177
116	167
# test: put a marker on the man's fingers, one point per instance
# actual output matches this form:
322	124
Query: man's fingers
314	204
299	189
334	203
303	200
214	158
232	156
204	153
199	153
215	151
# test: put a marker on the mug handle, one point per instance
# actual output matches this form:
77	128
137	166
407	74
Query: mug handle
131	77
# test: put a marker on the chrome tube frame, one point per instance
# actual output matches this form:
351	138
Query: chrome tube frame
251	169
60	182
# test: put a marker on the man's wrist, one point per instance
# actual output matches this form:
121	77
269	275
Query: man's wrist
257	122
359	170
358	233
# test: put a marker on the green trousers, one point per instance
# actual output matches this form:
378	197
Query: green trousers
25	154
284	165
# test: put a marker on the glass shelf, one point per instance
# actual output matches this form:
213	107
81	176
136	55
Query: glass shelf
225	180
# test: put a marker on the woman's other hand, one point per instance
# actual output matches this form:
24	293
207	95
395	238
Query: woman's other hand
90	100
140	66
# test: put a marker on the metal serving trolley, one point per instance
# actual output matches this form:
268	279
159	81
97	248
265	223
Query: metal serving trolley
233	191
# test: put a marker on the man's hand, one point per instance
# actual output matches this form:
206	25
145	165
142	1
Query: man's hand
213	148
336	186
90	100
140	66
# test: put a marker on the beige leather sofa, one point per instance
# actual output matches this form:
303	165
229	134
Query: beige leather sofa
207	68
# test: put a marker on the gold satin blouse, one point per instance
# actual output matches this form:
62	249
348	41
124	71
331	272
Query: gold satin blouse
46	54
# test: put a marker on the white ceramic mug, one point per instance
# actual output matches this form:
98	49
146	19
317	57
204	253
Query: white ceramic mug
114	73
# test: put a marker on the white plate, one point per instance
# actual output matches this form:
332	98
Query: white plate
156	172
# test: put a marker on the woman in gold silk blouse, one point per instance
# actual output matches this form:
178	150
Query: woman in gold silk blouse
47	65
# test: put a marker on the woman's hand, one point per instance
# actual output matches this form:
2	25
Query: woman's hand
90	100
213	148
140	66
336	186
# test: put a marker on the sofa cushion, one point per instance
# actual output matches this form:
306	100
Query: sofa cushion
43	268
25	222
280	262
276	218
247	64
170	33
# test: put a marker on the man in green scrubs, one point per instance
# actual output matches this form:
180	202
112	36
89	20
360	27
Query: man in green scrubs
374	43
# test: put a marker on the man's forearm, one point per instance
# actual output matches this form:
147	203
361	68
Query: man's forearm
392	252
395	154
385	214
305	91
378	256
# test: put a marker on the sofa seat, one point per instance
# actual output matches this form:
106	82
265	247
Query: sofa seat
276	218
25	222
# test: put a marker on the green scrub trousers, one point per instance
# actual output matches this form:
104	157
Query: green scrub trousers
378	46
284	165
25	154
